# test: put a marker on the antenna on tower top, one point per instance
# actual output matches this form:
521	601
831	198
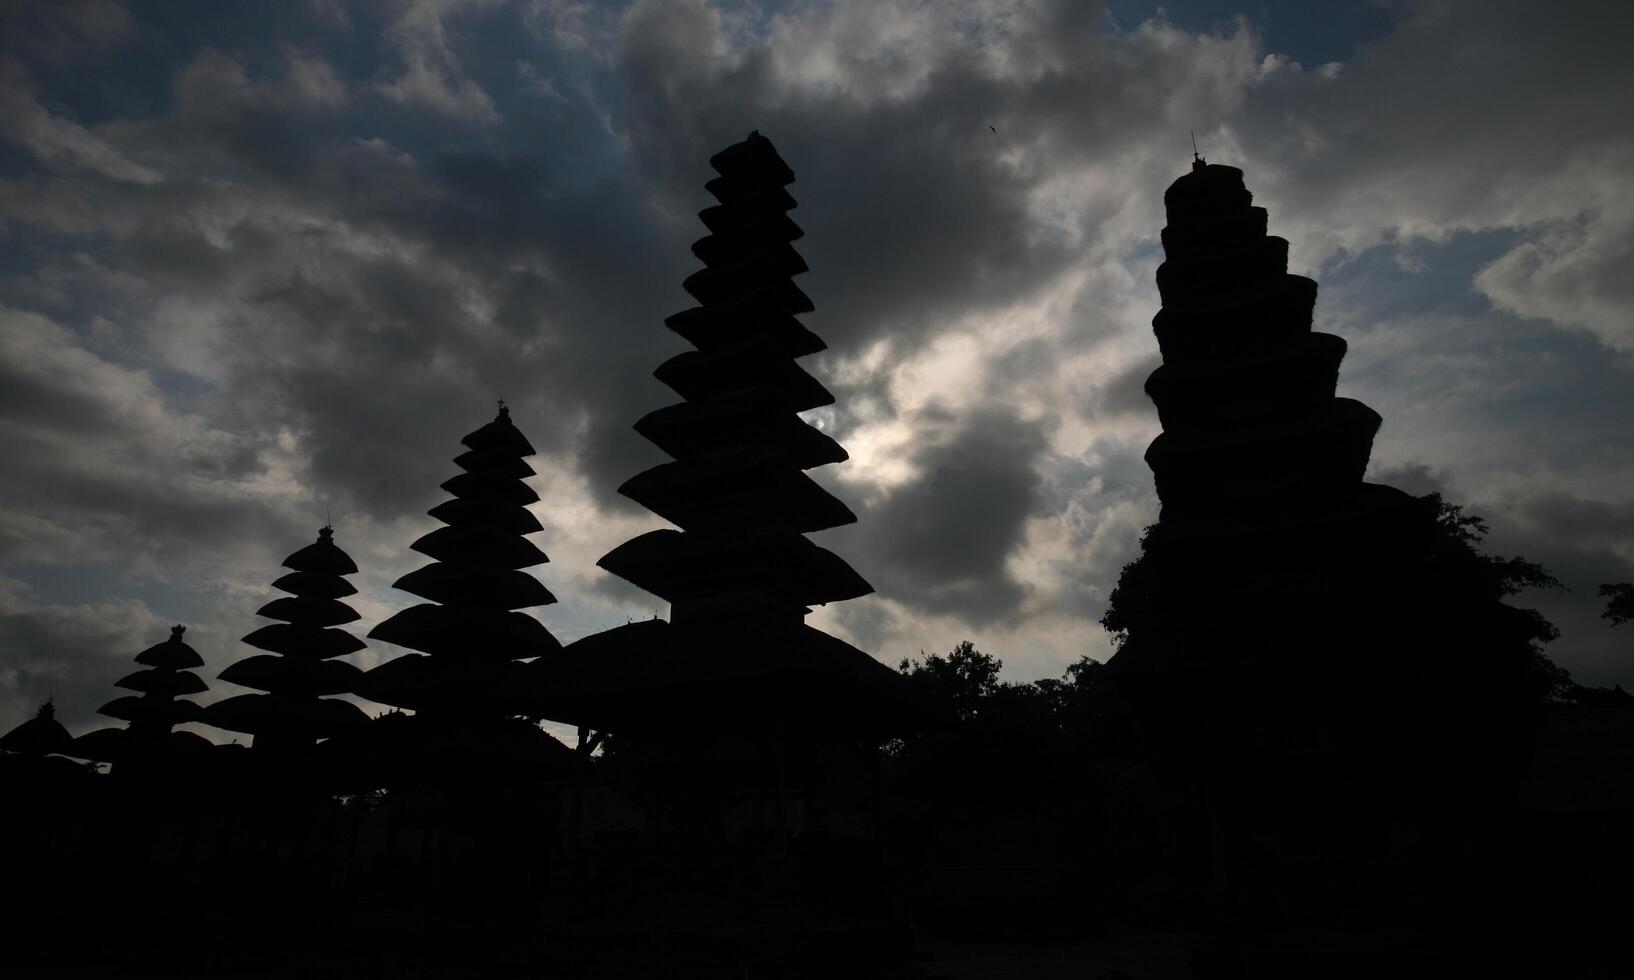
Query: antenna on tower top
1197	161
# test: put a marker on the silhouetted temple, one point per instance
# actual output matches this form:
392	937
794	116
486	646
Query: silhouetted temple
1251	426
1295	637
300	668
160	707
470	633
739	576
40	735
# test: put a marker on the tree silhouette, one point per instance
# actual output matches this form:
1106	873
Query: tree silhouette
1453	554
963	680
1619	598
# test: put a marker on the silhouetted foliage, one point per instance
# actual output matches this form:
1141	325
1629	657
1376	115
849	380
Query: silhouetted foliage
1456	556
1619	598
963	679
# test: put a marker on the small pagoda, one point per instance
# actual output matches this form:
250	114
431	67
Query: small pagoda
300	670
471	633
39	736
152	716
739	574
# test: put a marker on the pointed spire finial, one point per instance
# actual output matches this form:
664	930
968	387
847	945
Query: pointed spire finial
1197	161
504	410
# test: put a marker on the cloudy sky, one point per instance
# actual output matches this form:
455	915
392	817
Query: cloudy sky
265	263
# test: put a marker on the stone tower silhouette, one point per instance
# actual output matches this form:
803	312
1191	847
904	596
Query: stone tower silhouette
1345	699
1246	392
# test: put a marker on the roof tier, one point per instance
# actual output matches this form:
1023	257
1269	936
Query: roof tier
460	685
679	566
307	642
286	718
293	676
735	492
1279	312
314	585
172	654
480	545
467	631
748	367
1300	379
162	682
654	675
322	557
465	584
121	745
750	419
758	317
495	461
151	711
500	436
487	512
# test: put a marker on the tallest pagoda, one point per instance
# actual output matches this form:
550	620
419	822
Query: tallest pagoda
739	574
737	487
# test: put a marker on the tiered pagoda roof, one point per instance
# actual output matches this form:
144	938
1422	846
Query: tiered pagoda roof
300	668
40	735
1246	390
160	707
737	488
471	632
739	574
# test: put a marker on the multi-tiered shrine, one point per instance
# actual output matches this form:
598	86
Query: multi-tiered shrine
471	633
152	716
301	668
739	574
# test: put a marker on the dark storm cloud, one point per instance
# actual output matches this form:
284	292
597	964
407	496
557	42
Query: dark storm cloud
1125	393
1571	517
71	654
365	290
941	542
946	222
